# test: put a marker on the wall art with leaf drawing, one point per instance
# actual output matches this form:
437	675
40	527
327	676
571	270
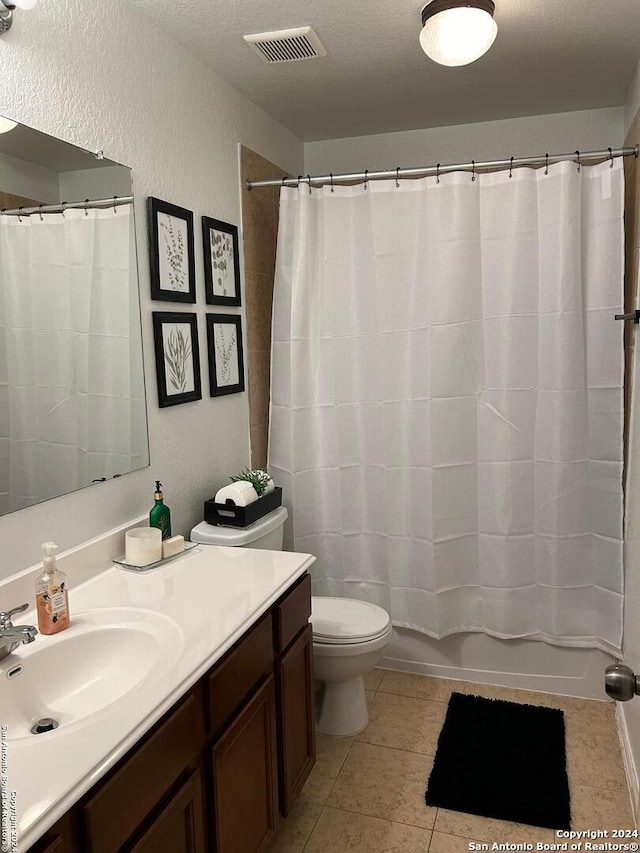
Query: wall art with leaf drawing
221	262
171	252
224	347
177	357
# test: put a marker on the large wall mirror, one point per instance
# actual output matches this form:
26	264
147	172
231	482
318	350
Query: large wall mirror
72	399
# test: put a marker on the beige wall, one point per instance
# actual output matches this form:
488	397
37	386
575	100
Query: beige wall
556	133
260	214
630	711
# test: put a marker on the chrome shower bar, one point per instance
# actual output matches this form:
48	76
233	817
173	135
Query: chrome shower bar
87	204
578	157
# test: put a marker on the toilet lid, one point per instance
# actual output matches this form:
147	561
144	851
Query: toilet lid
347	620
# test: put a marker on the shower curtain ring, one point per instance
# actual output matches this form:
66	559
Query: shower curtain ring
40	212
398	176
309	182
115	205
546	167
331	175
578	156
438	173
366	178
64	207
473	170
299	179
20	209
610	159
511	167
86	207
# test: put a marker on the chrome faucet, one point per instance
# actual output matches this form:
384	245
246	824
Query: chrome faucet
12	635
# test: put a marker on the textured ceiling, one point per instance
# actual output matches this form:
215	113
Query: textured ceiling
549	56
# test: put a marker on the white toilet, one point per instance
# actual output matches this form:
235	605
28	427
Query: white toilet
349	636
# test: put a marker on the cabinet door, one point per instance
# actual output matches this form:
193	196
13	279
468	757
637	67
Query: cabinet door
59	839
245	778
179	826
296	722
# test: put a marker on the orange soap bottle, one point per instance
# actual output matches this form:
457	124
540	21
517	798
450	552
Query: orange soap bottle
52	595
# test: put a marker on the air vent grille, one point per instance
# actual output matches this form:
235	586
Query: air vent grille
287	45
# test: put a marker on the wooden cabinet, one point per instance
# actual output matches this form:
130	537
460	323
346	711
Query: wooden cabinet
179	827
296	721
59	839
213	774
245	778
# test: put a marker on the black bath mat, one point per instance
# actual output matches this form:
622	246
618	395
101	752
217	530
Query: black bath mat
502	760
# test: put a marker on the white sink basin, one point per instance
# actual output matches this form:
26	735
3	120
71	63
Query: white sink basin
105	656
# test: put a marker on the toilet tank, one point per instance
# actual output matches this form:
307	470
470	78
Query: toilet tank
266	533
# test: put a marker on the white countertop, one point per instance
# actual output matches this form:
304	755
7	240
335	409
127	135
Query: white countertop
213	595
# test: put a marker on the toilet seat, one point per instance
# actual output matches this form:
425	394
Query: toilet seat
347	621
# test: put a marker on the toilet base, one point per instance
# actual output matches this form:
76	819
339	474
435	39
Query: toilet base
341	710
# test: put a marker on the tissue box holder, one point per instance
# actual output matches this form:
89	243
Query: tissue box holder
228	515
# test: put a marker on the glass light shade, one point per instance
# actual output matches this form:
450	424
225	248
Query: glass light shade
22	4
458	36
6	124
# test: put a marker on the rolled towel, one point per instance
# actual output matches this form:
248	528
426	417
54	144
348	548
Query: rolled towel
240	493
269	488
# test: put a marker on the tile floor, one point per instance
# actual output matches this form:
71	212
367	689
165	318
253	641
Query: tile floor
366	794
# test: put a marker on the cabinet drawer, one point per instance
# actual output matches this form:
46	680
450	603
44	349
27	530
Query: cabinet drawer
179	826
122	804
231	682
292	613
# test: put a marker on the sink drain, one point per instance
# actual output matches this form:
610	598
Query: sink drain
46	724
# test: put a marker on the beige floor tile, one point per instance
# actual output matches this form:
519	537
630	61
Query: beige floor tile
594	756
345	832
591	708
373	678
330	755
420	686
441	843
404	723
387	783
594	808
294	831
489	829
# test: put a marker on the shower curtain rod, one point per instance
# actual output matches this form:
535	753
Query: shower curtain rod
87	204
542	160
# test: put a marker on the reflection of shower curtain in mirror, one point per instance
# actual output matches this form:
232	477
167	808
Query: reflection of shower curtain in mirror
70	372
446	400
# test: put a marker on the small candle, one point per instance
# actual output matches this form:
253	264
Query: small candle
143	545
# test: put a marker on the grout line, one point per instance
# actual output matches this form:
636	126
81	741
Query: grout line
304	846
379	817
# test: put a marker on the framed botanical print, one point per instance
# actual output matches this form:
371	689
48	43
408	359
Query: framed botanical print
224	347
221	262
171	252
175	336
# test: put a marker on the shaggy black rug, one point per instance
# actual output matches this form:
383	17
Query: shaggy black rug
502	760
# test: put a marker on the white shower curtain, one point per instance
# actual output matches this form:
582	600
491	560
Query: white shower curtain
71	394
446	409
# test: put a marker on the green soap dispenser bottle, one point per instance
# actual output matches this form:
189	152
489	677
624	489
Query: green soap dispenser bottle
160	516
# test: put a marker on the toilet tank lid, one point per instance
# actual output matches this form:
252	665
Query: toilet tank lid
235	537
347	619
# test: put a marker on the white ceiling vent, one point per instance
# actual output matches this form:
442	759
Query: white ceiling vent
287	45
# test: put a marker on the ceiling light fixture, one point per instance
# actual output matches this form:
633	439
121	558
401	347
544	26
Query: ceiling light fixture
6	124
6	11
457	32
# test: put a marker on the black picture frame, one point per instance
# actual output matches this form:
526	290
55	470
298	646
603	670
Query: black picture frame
170	373
221	355
215	230
173	278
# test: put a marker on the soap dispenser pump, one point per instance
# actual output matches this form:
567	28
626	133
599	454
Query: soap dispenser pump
160	515
52	595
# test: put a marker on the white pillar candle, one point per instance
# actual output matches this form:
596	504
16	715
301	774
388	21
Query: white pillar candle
143	545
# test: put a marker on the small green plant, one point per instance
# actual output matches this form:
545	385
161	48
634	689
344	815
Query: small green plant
259	479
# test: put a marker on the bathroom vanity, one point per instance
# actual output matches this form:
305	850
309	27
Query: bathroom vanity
217	753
